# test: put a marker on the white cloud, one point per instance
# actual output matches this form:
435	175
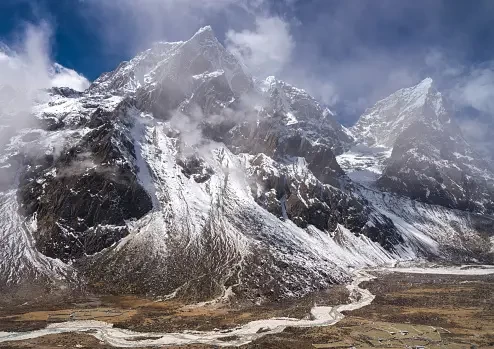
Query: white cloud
480	135
477	90
442	64
23	74
473	129
265	50
26	71
326	92
131	26
28	68
65	77
319	87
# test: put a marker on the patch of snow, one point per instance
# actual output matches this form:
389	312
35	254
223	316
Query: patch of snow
364	164
291	119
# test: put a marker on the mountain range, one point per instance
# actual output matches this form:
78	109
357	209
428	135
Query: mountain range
178	174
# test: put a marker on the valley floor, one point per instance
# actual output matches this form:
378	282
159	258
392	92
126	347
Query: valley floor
410	309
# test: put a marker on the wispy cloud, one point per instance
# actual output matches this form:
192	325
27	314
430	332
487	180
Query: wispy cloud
267	49
473	93
132	26
65	77
476	89
26	71
27	65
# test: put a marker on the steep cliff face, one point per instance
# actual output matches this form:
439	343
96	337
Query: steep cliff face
178	174
438	167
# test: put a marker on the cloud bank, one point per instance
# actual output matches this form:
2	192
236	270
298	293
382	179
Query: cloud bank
473	94
259	36
476	89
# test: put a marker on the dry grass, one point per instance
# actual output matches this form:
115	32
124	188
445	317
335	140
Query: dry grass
409	310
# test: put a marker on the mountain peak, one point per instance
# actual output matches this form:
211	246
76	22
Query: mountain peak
204	37
162	60
206	28
381	124
423	86
204	33
428	81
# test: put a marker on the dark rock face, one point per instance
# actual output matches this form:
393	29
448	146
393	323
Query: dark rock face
308	201
269	138
320	159
300	112
65	92
212	94
437	166
83	198
161	101
195	167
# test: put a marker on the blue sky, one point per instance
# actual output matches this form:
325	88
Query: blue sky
347	53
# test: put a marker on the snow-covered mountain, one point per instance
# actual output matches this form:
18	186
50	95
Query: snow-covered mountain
382	124
178	174
430	160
